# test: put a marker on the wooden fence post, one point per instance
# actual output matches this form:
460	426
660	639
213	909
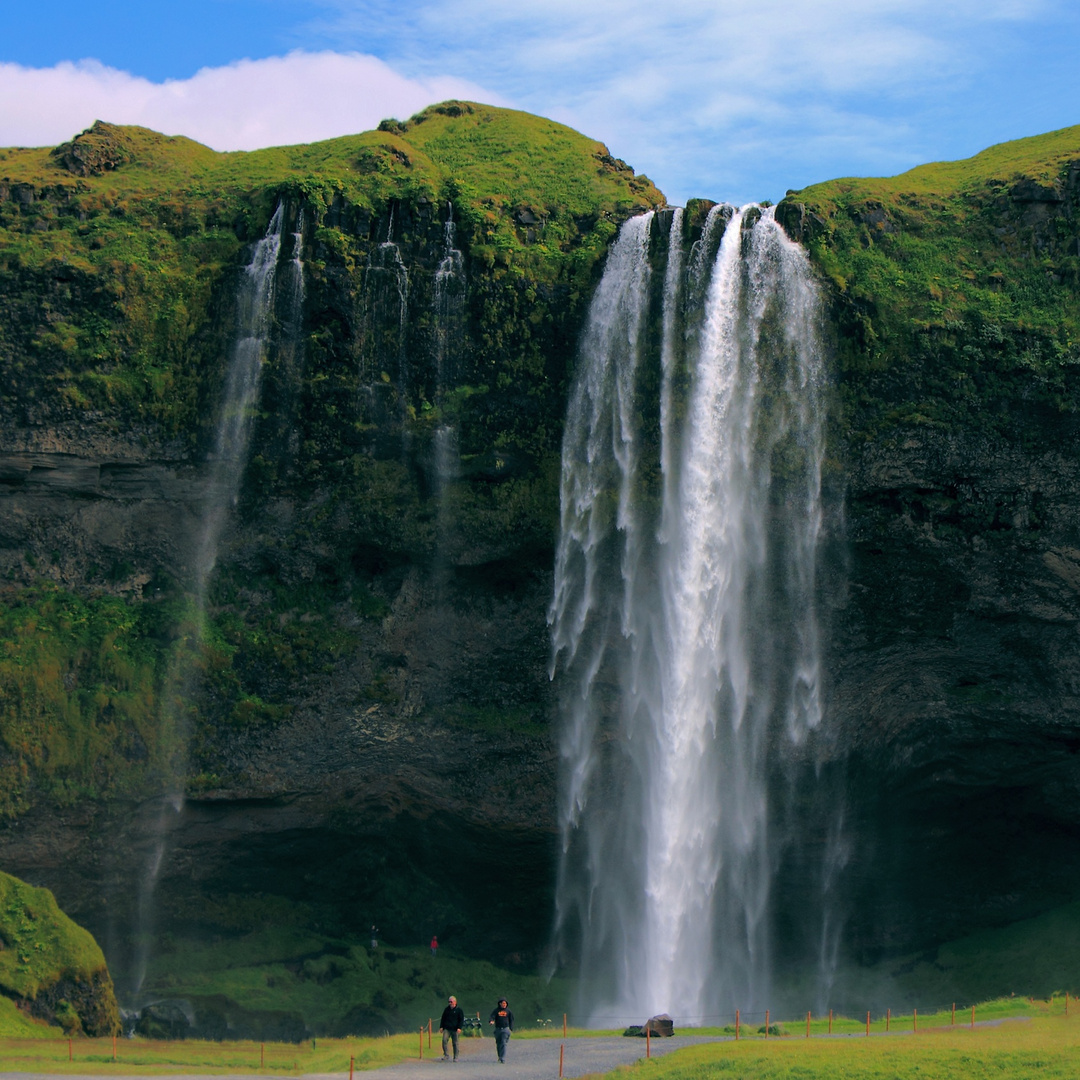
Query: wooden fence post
736	1025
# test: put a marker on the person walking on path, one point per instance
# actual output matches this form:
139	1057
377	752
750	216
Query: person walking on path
453	1018
434	944
503	1019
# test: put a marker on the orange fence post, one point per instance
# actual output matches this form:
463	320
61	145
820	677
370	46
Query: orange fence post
562	1047
648	1042
915	1020
736	1025
972	1015
867	1023
766	1023
888	1018
830	1021
429	1032
808	1025
953	1021
351	1062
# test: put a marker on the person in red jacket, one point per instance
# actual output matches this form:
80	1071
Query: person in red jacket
434	944
503	1019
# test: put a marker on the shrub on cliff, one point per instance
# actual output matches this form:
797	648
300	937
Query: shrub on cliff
52	968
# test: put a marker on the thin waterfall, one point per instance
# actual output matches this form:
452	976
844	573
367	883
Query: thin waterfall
449	302
256	293
684	623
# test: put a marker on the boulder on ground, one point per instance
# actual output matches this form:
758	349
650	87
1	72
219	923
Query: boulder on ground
661	1025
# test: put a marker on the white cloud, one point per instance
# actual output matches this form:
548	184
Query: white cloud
301	97
682	89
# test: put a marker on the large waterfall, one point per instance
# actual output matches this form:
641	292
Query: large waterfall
684	625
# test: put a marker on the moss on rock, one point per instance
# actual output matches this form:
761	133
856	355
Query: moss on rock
51	967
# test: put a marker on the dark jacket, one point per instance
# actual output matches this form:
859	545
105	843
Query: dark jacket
452	1018
502	1017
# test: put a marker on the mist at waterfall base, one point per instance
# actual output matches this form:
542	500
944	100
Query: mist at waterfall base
701	833
270	287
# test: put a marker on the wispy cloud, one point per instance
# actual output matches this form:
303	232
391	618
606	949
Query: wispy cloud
728	98
301	97
682	89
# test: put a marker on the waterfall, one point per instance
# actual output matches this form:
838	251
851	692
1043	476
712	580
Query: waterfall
449	303
256	295
683	621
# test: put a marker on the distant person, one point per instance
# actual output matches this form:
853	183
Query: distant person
453	1018
434	944
374	937
503	1019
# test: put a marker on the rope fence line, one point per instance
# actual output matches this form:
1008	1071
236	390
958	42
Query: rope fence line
285	1055
742	1018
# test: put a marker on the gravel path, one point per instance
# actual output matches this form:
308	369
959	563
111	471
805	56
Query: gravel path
537	1059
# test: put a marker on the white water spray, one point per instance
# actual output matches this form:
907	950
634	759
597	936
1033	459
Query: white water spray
683	619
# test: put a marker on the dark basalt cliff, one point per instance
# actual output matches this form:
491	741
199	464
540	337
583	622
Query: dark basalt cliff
369	720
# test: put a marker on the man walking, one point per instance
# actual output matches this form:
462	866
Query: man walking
450	1025
503	1019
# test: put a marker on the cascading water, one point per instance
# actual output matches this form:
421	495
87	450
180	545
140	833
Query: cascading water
684	619
449	303
256	295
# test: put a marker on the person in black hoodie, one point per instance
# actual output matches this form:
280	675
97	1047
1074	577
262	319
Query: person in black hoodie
503	1019
450	1025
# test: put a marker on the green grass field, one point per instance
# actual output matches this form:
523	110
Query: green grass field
1021	1040
1012	1037
144	1056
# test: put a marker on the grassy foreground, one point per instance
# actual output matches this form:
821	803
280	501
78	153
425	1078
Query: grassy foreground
1012	1038
143	1056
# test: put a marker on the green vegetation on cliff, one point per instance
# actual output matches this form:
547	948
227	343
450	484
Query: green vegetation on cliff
119	258
956	287
50	966
113	247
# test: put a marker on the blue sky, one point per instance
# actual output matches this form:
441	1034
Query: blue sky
733	99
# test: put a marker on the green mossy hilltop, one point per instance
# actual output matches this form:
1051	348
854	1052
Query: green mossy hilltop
955	288
49	966
112	246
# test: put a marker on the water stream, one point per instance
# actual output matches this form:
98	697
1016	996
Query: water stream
260	292
684	626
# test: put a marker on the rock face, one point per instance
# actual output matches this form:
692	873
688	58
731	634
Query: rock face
52	968
367	715
366	720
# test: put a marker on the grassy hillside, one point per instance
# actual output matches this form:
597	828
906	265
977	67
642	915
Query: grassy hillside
51	966
956	287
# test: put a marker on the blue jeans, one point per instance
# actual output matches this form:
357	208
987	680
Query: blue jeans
502	1037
